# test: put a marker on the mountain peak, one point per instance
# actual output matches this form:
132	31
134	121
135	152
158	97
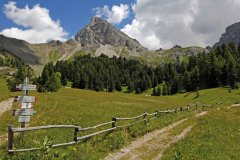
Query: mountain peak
97	20
99	32
232	35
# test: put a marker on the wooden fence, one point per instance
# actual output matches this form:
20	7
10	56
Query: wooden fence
112	123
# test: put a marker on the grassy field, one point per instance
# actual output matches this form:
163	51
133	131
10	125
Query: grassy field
87	108
4	92
215	136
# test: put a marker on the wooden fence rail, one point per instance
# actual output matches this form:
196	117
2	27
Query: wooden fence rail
77	128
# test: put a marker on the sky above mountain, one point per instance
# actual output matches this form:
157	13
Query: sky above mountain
154	23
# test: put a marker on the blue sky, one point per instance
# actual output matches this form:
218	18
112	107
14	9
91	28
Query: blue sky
73	14
154	23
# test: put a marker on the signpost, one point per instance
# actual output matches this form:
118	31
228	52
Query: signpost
23	119
29	87
25	99
24	112
25	103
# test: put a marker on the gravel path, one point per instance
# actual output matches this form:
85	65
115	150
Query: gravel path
154	142
6	105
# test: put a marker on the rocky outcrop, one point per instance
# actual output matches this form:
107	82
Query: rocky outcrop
99	32
208	48
176	46
232	35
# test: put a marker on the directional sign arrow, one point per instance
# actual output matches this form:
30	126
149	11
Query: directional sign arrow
26	87
24	119
24	112
26	105
25	99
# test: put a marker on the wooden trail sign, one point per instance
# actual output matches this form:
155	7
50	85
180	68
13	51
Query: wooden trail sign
23	119
25	99
24	112
26	105
29	87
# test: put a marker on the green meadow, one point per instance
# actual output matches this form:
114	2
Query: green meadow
88	108
214	136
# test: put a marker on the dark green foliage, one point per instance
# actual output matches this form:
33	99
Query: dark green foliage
50	80
23	71
118	85
9	61
54	82
165	90
154	92
104	73
219	67
130	87
159	91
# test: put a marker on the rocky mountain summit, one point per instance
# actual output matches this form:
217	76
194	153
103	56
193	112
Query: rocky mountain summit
99	33
232	35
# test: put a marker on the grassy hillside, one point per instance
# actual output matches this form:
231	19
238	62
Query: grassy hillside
87	108
215	136
4	92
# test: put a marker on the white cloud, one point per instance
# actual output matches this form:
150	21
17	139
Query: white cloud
164	23
115	16
39	27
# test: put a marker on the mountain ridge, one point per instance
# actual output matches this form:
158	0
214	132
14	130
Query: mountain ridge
231	35
96	38
99	33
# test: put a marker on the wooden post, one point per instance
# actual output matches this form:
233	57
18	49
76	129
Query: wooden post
145	118
10	139
23	124
157	113
196	106
75	133
114	122
167	110
22	133
181	109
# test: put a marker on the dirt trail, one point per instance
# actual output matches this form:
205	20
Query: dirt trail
4	106
154	142
175	139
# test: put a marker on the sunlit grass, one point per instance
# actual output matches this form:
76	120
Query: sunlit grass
215	136
88	108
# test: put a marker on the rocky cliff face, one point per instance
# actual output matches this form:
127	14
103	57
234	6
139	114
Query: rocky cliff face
232	35
99	32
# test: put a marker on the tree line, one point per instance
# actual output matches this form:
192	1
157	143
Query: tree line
9	61
219	67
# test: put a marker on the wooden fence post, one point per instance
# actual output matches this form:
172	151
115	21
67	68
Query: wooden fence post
181	109
157	113
145	118
75	133
114	122
10	139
